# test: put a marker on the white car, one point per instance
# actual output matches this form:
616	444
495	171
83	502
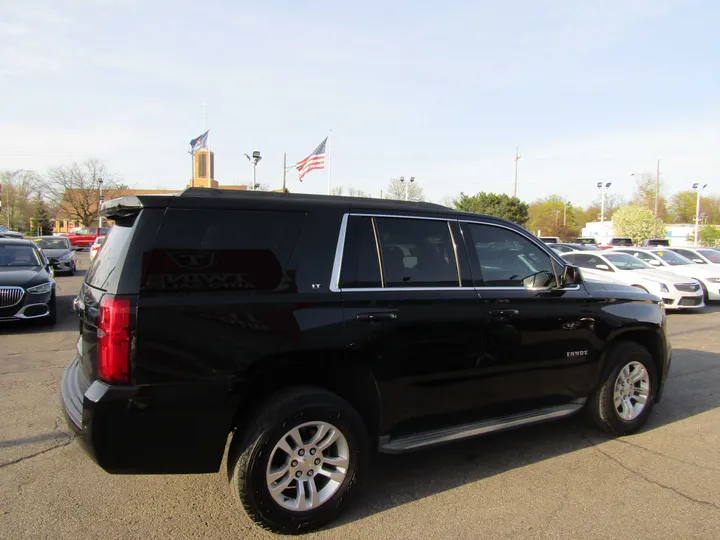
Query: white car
96	246
699	255
662	258
676	291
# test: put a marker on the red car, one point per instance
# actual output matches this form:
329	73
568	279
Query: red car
86	237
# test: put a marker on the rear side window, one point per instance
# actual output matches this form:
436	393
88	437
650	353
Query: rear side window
417	253
222	250
105	267
360	264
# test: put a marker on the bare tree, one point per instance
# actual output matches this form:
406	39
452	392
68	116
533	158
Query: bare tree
74	189
396	190
337	190
18	187
355	192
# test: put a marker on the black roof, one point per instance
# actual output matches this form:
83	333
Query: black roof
15	242
210	197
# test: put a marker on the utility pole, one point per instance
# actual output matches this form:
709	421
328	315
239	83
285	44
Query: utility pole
699	190
564	213
284	169
100	201
407	186
517	158
657	199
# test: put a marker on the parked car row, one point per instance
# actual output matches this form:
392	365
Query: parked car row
682	282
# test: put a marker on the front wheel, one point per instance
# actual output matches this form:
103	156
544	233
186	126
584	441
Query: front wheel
295	468
625	398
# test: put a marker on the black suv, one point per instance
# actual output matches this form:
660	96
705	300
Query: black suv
314	330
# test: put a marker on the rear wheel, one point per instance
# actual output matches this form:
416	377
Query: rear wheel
296	466
625	398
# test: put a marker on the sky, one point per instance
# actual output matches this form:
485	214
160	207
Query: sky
590	91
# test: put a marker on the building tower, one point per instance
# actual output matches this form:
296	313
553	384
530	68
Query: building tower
204	169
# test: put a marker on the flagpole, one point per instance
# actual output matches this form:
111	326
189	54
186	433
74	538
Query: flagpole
327	153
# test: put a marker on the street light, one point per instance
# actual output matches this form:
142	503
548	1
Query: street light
100	202
407	186
603	189
254	160
699	190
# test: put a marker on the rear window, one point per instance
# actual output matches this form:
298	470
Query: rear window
109	260
222	250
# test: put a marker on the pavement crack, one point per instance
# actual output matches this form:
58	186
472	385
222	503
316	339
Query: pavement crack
41	452
651	481
672	458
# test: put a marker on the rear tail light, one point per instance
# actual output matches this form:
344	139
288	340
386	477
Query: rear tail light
114	340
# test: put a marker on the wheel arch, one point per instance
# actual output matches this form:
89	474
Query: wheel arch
354	382
648	338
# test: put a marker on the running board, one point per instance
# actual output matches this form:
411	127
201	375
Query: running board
416	441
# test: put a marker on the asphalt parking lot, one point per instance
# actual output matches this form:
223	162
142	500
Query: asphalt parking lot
561	480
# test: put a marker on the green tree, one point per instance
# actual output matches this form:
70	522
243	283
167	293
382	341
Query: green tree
682	206
709	235
18	187
493	204
553	216
637	223
41	222
645	192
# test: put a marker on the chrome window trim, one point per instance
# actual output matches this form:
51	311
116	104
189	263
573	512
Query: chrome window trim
340	249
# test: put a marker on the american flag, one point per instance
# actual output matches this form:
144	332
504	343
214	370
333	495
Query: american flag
314	161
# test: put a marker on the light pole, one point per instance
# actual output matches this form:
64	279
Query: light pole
699	190
603	189
254	160
100	201
407	186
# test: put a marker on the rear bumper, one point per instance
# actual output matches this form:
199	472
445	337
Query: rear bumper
146	430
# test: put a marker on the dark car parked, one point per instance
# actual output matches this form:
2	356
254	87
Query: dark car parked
325	328
27	288
656	242
7	233
59	252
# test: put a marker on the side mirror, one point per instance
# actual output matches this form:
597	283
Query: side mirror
539	280
699	261
655	262
604	267
571	276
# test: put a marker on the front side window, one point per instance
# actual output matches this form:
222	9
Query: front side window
417	252
507	259
625	261
583	261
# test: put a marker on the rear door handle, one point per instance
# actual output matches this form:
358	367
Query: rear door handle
376	317
504	313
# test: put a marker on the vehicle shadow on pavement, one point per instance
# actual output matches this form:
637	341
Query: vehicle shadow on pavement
693	387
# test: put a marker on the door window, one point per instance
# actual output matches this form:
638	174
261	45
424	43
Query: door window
360	263
507	259
417	253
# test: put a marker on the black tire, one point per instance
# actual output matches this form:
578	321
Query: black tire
51	318
72	271
601	408
706	294
250	452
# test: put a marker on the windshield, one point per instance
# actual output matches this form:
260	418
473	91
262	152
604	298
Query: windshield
626	262
18	256
52	243
710	254
672	258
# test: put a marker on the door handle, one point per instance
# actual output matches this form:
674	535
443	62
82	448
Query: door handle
504	313
376	317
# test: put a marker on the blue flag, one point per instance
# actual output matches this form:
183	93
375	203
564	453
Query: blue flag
199	142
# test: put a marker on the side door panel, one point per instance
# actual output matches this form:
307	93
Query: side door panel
542	344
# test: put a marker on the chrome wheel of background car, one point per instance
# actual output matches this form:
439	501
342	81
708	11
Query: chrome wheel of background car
632	389
307	466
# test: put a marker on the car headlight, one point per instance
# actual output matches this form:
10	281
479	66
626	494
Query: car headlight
664	288
41	289
714	279
66	257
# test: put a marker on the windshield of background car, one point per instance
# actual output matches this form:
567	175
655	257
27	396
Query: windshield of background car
672	258
710	254
18	256
623	261
52	243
